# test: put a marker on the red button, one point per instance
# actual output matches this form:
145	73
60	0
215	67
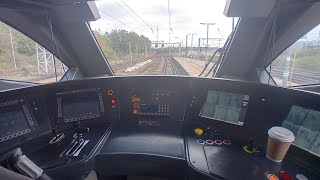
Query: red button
285	175
135	105
218	142
226	142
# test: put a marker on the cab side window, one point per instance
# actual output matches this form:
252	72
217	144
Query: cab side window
22	59
299	64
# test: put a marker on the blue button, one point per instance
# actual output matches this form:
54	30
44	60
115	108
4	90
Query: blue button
200	141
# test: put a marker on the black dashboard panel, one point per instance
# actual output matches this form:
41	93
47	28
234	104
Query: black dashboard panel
23	117
105	123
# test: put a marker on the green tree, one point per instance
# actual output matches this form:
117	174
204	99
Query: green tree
25	45
105	44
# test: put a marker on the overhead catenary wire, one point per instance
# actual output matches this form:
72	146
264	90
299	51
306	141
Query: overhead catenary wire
126	11
132	16
138	16
169	14
116	19
220	33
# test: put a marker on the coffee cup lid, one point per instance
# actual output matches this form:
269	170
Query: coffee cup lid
281	134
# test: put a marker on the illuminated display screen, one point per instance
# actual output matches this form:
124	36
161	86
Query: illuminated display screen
13	123
223	106
148	108
80	106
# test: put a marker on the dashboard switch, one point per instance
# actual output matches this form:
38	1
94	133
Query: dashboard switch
285	175
272	177
200	141
209	141
198	131
218	142
226	142
301	177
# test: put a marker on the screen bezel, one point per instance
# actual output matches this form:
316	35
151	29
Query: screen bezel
242	114
18	105
59	102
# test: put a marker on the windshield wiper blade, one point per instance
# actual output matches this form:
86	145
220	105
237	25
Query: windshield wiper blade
207	64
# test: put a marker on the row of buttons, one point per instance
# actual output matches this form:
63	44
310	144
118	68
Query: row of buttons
164	105
217	142
156	114
164	108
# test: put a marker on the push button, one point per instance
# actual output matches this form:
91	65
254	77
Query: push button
301	177
198	131
285	175
200	141
209	142
272	177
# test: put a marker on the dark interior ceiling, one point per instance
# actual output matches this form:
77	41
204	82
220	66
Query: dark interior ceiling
74	42
251	48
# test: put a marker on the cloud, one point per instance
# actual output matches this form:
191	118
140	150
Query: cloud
186	16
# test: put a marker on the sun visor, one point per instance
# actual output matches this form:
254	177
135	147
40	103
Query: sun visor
249	8
83	11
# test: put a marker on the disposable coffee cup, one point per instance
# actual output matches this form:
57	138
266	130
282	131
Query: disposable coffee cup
279	141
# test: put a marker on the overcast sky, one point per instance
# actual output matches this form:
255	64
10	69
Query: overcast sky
186	16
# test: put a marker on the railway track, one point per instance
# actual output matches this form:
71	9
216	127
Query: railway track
170	69
298	76
120	67
160	65
150	67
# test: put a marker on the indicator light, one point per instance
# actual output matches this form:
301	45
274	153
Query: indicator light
113	101
110	92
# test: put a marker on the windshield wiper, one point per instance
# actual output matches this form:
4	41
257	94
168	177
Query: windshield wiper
207	64
221	51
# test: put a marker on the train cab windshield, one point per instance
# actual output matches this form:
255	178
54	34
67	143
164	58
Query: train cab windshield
159	90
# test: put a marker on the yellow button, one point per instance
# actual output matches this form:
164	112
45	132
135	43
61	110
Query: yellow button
135	99
135	111
198	131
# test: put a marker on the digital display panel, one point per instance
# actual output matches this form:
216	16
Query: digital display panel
225	106
79	106
13	123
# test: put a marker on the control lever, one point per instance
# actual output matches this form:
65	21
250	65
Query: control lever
22	163
80	130
250	147
78	142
